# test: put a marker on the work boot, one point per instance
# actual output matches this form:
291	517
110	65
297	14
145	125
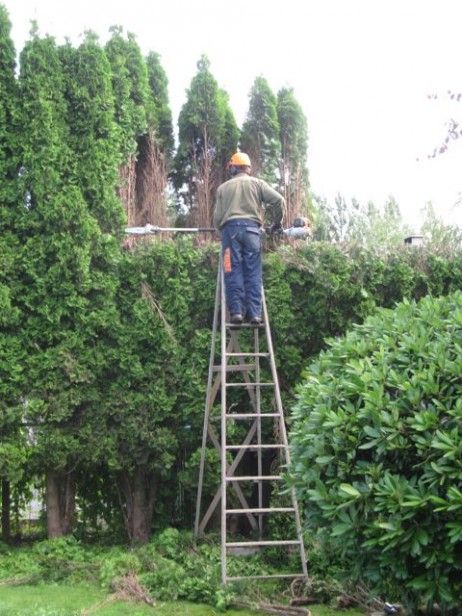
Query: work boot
236	319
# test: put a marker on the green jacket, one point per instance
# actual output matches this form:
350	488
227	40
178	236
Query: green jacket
244	196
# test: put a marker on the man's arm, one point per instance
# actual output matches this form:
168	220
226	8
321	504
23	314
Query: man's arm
275	200
218	214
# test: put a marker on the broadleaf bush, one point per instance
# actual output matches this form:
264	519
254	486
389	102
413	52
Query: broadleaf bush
377	450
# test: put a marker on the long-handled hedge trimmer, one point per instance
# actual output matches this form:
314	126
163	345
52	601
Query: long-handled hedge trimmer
299	230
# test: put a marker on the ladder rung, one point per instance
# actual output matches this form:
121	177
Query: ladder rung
235	368
249	384
250	446
245	544
250	415
242	354
263	510
236	578
255	478
239	325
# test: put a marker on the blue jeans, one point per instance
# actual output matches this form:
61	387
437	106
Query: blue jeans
241	253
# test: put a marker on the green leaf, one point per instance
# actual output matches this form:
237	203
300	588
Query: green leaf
350	490
340	529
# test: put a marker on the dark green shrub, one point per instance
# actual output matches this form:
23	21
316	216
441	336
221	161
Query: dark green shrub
377	447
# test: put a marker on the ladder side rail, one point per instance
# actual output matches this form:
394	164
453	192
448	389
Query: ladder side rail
256	341
277	393
223	425
201	525
274	374
215	387
208	404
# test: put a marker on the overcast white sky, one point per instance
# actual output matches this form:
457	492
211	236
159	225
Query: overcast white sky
362	70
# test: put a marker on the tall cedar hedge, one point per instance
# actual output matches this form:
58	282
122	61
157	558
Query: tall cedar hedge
62	283
313	292
13	451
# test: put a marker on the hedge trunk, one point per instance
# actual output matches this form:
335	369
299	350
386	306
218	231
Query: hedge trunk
6	511
60	503
138	492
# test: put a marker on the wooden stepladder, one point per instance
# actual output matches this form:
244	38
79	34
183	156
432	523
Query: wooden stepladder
233	366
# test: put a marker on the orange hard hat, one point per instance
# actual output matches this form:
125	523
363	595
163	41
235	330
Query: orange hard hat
239	159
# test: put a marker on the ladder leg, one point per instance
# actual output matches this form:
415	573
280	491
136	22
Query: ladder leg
223	426
277	395
256	340
208	404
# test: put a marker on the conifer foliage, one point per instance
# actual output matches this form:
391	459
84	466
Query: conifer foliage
155	149
208	136
293	135
92	130
8	98
131	89
57	233
260	132
158	84
12	450
143	116
8	164
275	136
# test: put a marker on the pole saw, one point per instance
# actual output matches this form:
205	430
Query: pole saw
299	230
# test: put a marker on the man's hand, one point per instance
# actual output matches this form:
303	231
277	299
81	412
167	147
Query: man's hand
276	229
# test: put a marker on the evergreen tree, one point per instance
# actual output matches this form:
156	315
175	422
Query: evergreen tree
294	143
143	172
158	84
260	132
133	109
64	284
136	417
93	133
12	446
155	150
208	136
8	98
124	425
229	134
125	428
9	165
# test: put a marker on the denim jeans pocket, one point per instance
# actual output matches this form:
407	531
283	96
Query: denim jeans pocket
253	238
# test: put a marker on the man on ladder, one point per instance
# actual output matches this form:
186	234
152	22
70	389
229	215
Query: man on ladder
239	213
240	207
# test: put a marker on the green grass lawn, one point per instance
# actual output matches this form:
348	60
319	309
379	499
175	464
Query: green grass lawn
80	600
